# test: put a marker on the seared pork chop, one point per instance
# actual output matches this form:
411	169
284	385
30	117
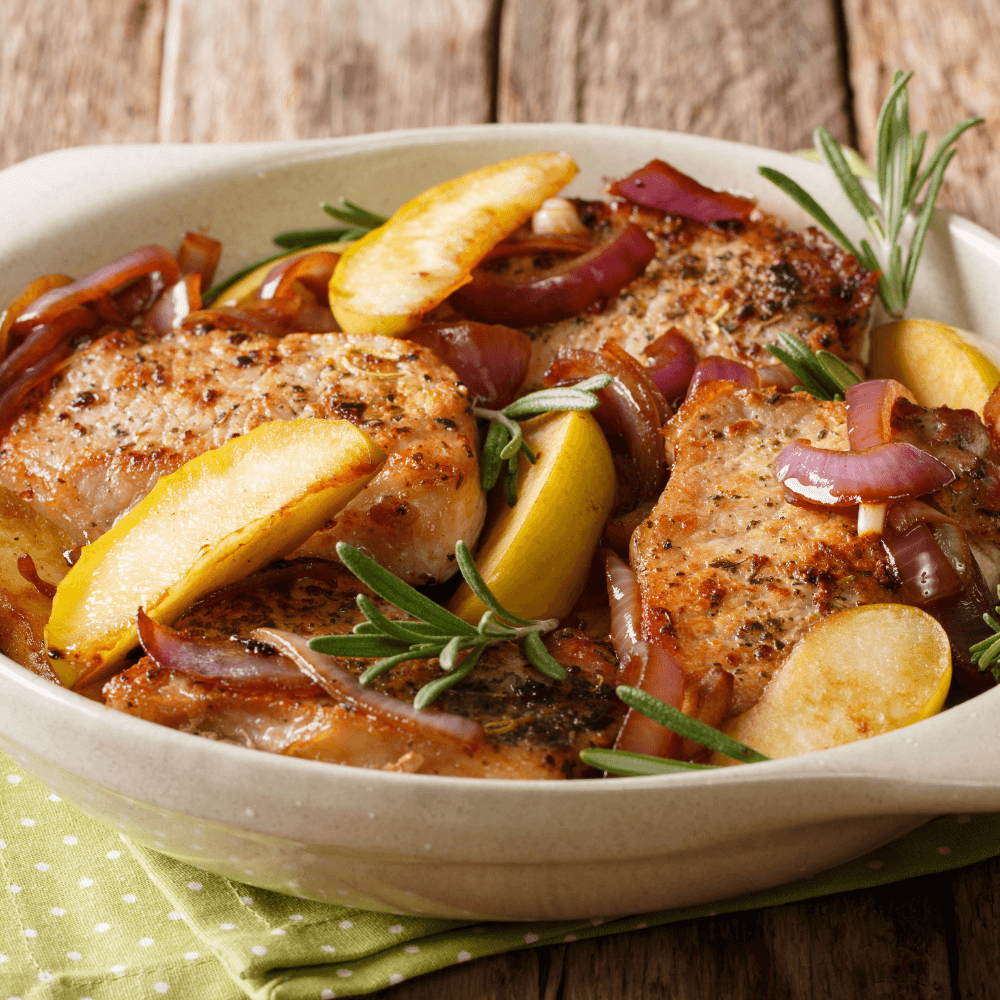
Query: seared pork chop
533	727
727	289
130	408
732	575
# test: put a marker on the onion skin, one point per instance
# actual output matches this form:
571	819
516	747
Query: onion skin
569	289
844	478
672	364
926	573
441	727
104	281
869	411
716	369
219	661
641	664
631	406
492	360
661	186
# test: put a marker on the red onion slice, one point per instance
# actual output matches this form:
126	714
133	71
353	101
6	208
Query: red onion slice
906	514
492	360
630	406
312	269
221	661
672	363
442	727
103	281
33	292
926	573
641	664
563	291
277	316
199	254
869	411
991	416
843	478
716	369
538	243
175	304
659	185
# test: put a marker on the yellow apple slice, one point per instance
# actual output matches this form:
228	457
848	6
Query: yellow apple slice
941	365
855	674
403	269
217	519
536	556
246	287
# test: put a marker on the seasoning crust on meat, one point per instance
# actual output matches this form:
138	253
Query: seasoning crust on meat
534	727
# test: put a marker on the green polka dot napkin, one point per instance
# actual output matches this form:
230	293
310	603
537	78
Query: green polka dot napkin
87	915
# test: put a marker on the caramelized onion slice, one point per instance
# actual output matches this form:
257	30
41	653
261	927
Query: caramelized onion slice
199	254
442	727
672	363
221	661
13	312
843	478
311	269
492	360
716	369
926	573
564	291
104	281
641	664
659	185
630	406
277	316
536	243
175	304
869	411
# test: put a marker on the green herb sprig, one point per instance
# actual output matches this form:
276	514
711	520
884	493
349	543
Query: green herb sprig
821	373
357	222
629	764
504	440
898	156
436	632
986	654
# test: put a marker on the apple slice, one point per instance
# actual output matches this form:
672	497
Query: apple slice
941	365
401	270
536	555
856	673
217	519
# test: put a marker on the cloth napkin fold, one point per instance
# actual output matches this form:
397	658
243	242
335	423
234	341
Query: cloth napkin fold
87	915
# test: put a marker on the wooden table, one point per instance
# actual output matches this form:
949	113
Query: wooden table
762	71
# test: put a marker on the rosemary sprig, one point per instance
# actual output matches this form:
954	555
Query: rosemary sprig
436	632
822	374
634	764
898	156
986	654
504	441
357	222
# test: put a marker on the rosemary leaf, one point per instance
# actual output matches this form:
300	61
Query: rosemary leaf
838	370
360	646
634	765
387	663
431	691
510	482
305	239
470	572
395	591
354	215
391	629
942	148
835	160
546	400
684	725
540	658
449	655
490	462
923	223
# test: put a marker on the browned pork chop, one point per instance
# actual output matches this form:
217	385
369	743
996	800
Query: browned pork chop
130	408
728	290
534	727
732	575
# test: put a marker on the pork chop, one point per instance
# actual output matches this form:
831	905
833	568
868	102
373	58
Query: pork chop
129	408
732	575
727	289
534	727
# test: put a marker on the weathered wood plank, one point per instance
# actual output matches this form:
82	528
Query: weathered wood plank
299	69
87	72
976	901
953	50
759	71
